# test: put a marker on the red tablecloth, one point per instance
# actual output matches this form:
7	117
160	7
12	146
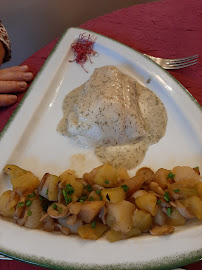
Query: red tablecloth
168	29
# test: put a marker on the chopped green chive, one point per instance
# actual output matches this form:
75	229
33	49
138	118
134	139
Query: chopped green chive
107	196
82	201
169	211
91	198
31	195
166	196
64	192
54	205
196	169
60	210
159	201
101	197
40	198
107	182
170	175
98	191
29	213
47	191
21	204
93	224
67	199
70	189
125	187
89	188
28	202
84	197
177	190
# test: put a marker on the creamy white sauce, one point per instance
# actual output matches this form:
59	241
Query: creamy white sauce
116	115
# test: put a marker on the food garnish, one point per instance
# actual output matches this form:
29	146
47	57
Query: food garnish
170	175
90	206
29	213
166	196
83	49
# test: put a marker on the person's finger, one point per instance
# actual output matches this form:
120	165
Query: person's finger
22	68
15	75
7	100
12	86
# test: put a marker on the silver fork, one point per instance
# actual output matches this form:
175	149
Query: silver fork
175	63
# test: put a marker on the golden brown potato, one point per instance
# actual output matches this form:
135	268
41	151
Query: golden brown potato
184	191
53	187
175	218
161	177
155	187
89	210
148	203
119	216
113	236
123	174
160	217
27	180
62	229
134	184
142	220
113	195
5	210
74	208
146	173
58	210
66	173
13	200
185	211
48	223
70	179
132	233
94	196
199	189
89	177
92	231
161	230
48	187
13	170
106	176
186	176
195	205
35	213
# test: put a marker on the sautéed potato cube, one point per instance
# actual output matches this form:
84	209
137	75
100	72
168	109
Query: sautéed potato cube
148	203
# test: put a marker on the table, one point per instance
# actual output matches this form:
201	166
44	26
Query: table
167	29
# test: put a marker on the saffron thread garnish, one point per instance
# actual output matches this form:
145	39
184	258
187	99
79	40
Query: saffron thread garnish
83	50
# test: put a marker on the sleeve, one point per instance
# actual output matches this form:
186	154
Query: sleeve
6	42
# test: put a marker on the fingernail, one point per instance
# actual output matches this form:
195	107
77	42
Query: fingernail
28	75
24	68
12	98
22	85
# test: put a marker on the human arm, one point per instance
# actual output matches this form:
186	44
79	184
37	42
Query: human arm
2	53
5	45
14	79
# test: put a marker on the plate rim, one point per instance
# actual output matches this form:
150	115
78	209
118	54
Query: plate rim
166	263
182	259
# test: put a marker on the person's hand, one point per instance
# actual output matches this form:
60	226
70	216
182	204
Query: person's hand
13	80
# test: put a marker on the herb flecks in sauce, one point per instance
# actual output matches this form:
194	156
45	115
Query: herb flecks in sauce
115	114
